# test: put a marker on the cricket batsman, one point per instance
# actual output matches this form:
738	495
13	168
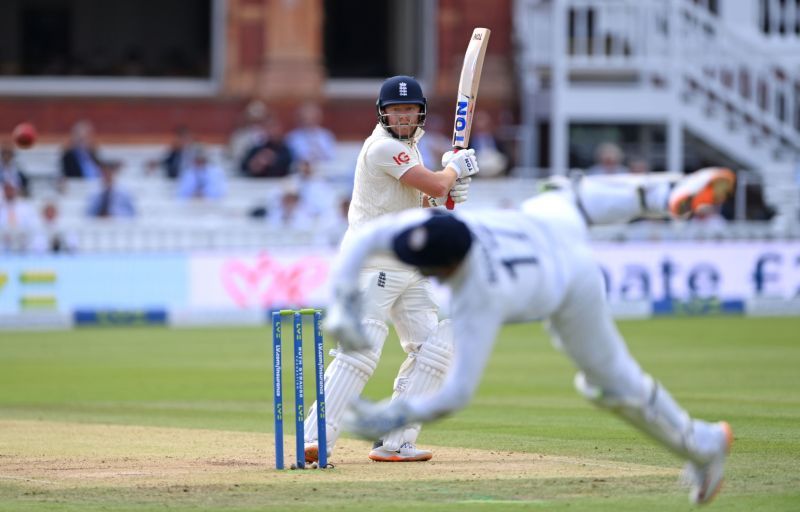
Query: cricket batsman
391	177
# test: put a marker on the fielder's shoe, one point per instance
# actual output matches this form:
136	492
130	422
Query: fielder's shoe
407	453
705	480
706	187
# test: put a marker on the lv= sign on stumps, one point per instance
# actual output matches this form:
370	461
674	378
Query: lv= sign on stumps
299	402
468	91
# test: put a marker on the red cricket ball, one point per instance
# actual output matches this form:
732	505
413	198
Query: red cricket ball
24	135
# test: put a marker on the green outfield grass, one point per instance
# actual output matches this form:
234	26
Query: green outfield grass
746	371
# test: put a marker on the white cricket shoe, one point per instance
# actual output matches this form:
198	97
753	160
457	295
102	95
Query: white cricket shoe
705	480
706	187
407	453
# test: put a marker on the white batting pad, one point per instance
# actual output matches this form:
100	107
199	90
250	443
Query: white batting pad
345	379
430	367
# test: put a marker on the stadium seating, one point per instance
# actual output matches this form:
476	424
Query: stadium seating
165	223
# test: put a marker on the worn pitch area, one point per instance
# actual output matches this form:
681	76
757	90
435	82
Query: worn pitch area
60	455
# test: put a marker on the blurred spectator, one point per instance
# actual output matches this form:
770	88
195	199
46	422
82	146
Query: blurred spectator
79	159
270	159
489	151
201	179
57	239
639	165
315	191
608	158
290	212
20	228
434	143
334	226
110	200
250	132
10	170
179	155
309	141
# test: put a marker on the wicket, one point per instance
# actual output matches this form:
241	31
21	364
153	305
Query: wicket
277	383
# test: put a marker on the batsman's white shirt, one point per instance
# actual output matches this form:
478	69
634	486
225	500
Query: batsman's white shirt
391	290
377	189
534	263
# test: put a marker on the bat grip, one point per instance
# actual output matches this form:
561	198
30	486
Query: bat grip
450	204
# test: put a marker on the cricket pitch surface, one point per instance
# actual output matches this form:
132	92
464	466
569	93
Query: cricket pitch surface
59	455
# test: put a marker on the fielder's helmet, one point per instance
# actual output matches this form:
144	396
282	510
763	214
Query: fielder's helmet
401	90
442	240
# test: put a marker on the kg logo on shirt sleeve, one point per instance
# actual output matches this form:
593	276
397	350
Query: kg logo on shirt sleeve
402	158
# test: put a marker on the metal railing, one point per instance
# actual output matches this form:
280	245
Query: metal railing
779	18
660	41
738	76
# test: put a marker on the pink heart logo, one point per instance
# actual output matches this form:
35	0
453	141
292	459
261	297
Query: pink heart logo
267	282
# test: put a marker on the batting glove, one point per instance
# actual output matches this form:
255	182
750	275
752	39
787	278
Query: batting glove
460	190
463	162
433	202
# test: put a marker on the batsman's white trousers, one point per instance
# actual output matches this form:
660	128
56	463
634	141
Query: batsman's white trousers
392	293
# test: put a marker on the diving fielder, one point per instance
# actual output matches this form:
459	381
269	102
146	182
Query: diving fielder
504	266
390	177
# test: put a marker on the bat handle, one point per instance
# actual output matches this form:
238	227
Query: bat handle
449	203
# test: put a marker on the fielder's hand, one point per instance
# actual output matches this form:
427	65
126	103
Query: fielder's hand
463	162
343	320
371	420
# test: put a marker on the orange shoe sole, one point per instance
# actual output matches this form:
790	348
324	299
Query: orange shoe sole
398	458
728	443
717	190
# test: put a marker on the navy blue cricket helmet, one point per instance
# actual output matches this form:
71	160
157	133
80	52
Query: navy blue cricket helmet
439	241
401	89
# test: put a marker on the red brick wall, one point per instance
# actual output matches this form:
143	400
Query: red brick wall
140	120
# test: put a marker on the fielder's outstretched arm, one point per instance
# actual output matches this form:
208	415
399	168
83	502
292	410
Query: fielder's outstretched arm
473	334
343	319
372	420
475	327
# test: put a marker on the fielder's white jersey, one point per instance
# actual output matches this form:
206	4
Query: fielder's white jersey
518	268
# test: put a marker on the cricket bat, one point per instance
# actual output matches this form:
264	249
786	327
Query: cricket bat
468	91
